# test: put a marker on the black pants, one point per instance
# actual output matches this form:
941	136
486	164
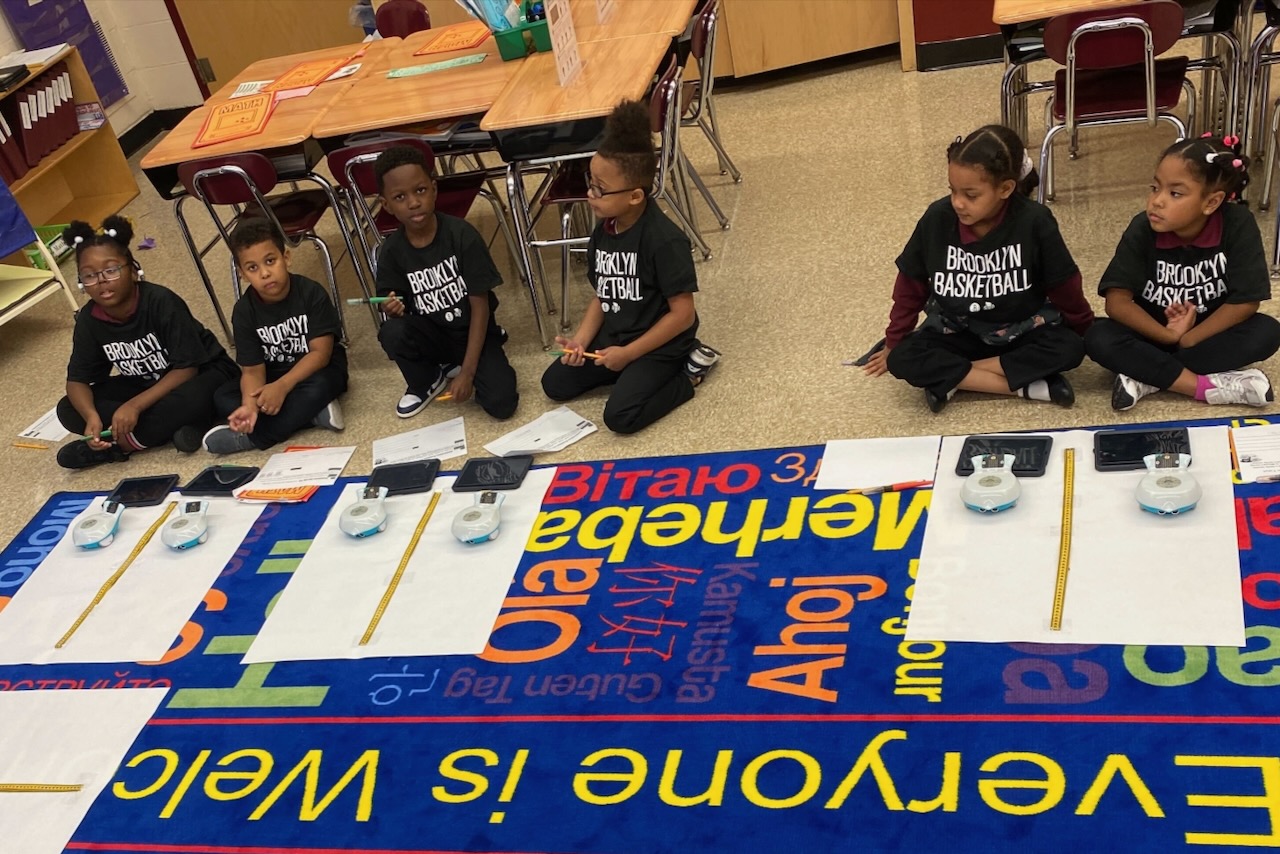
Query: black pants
190	404
419	347
1120	349
644	391
929	358
300	407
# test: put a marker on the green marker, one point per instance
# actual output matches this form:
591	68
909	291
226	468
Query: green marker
105	434
367	300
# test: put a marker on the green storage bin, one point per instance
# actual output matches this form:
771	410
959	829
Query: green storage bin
523	39
52	236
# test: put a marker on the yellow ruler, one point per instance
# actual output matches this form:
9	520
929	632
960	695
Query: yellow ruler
25	788
404	562
1064	546
115	576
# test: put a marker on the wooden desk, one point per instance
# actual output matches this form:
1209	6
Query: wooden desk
613	71
377	101
631	18
1021	11
291	123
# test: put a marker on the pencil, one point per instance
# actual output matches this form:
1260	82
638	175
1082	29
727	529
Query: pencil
893	487
1231	440
31	445
367	300
445	397
586	353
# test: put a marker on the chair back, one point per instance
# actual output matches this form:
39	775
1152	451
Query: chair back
664	120
1114	38
702	45
400	18
233	179
352	165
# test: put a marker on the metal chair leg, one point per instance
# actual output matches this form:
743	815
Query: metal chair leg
204	274
706	193
684	223
1045	190
519	219
718	143
1269	157
332	275
566	231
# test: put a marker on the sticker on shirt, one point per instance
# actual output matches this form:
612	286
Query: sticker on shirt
616	279
285	341
1200	284
439	289
142	357
982	279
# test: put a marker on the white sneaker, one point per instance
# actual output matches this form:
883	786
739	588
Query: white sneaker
330	418
1250	387
1126	391
411	404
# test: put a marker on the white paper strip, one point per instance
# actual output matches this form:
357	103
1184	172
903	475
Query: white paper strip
63	737
552	431
437	442
142	614
1135	577
319	467
47	427
446	601
876	463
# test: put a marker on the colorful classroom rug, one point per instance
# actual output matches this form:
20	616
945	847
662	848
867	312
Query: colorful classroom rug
697	654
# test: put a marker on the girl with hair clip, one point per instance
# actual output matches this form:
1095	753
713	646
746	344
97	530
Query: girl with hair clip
1184	286
1004	308
166	365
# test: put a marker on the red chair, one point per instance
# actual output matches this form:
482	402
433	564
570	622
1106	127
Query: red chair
242	182
699	108
352	168
674	169
400	18
1111	74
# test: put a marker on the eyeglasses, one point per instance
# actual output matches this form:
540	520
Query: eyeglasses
596	191
107	274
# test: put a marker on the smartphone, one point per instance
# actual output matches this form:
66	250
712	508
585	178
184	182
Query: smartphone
1123	450
220	480
492	473
1032	453
143	491
405	478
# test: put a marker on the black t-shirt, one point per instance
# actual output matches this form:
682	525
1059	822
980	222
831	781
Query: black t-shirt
435	281
279	334
992	285
1224	264
161	335
634	274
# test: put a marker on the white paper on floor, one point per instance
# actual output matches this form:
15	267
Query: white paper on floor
437	442
141	615
46	428
447	599
549	432
1135	577
67	738
288	469
876	463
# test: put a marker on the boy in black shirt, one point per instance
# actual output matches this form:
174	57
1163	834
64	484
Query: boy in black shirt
1184	287
166	364
286	330
444	325
641	326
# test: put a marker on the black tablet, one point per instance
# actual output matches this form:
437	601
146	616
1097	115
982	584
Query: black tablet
1123	450
1032	453
143	491
405	478
220	480
492	473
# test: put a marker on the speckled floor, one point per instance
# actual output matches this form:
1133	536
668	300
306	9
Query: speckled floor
837	166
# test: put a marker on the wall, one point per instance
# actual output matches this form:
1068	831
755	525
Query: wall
148	52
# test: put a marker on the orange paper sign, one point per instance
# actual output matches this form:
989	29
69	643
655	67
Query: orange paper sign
457	37
235	119
311	73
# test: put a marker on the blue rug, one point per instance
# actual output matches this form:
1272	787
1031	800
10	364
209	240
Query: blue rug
698	654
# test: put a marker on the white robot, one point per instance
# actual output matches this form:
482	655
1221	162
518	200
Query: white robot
1168	488
189	528
480	522
98	530
366	516
993	486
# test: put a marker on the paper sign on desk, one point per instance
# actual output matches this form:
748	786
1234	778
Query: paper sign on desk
415	70
564	41
236	119
457	37
310	73
250	87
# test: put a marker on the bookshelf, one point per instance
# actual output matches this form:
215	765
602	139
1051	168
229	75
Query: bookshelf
86	178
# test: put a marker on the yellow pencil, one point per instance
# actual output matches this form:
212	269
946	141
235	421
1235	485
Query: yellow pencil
31	445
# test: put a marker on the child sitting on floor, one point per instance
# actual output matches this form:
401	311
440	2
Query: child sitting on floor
1184	287
444	326
167	366
1004	308
286	330
641	324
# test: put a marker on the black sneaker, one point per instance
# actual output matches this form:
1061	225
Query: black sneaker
1060	390
78	455
700	362
937	402
188	439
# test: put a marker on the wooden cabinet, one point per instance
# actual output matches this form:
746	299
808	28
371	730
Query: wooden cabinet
768	34
87	177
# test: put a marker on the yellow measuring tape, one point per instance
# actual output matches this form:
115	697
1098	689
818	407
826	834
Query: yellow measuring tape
1064	546
115	576
404	562
24	788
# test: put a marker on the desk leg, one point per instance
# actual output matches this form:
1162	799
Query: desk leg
520	219
204	274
